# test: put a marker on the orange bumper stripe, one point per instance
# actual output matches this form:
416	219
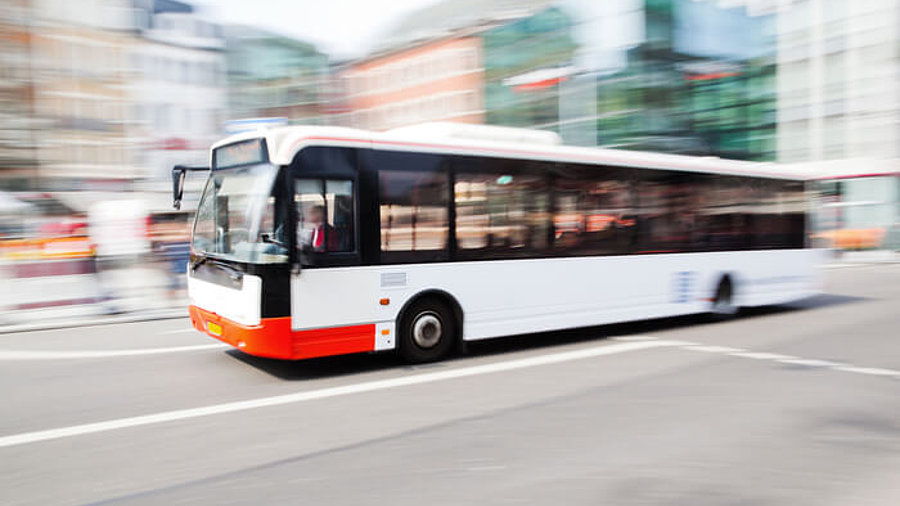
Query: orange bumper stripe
274	338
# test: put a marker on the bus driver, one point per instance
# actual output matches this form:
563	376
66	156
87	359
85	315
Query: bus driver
316	233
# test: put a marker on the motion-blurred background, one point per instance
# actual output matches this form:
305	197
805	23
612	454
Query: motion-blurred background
100	98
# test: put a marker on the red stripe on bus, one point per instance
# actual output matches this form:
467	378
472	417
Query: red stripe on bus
273	337
333	341
855	176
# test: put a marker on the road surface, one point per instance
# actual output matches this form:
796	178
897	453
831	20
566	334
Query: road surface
790	405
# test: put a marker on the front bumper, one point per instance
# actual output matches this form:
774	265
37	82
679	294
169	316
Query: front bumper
273	337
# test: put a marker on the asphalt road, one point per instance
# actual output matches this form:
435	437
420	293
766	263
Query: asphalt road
789	405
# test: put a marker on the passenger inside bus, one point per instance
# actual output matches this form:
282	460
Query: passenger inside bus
315	233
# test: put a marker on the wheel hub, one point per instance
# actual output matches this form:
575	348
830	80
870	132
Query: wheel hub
427	330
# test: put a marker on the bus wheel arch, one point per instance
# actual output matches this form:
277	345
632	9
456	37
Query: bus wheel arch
429	326
722	301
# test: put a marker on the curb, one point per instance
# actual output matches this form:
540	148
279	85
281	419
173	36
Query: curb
168	314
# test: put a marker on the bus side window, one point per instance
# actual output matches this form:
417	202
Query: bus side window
413	211
501	210
593	211
325	215
669	218
339	200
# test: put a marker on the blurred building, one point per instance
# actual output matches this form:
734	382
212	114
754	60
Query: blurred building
700	80
464	61
449	16
18	128
178	88
80	70
270	75
683	76
438	79
526	60
838	79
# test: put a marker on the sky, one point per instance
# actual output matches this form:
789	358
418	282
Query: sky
347	29
343	28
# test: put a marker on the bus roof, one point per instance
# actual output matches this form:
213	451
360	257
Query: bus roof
851	168
283	143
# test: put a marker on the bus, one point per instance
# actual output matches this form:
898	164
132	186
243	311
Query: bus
317	241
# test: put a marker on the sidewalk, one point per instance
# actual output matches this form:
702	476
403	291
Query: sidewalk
88	321
867	257
131	295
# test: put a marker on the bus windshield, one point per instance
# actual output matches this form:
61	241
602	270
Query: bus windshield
237	217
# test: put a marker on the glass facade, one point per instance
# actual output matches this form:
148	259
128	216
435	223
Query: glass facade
539	43
274	76
702	82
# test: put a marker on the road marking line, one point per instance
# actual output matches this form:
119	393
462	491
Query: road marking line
644	339
761	355
178	331
716	349
810	362
369	386
787	359
875	371
63	355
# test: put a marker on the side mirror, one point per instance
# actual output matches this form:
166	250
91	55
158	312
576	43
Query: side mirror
178	175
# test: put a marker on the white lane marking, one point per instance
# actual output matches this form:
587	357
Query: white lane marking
875	371
178	331
777	357
63	355
717	349
369	386
810	362
761	355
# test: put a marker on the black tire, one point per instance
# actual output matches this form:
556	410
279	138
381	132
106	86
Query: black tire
427	331
723	306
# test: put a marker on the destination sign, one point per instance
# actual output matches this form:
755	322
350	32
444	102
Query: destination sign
240	153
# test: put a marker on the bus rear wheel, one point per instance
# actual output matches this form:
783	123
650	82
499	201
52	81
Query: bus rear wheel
427	331
723	303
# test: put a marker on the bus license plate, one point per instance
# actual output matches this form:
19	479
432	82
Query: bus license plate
214	329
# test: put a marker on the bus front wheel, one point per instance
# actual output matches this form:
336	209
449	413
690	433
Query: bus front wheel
427	331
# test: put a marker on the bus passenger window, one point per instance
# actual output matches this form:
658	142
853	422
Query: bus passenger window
669	217
413	211
594	212
324	215
339	199
503	214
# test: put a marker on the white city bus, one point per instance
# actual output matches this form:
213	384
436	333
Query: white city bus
315	241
